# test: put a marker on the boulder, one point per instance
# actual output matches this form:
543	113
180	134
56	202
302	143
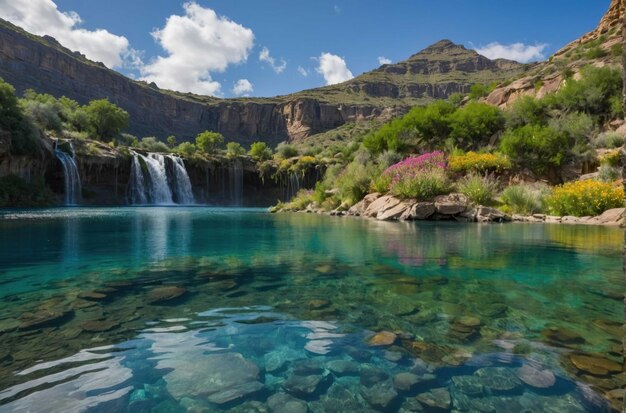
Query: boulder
360	207
609	217
499	380
343	367
436	399
487	214
380	396
394	213
303	386
405	381
284	403
162	295
595	365
384	338
452	204
380	205
541	379
419	211
45	318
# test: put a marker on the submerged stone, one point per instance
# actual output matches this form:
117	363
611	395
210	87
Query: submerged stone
380	396
384	338
405	381
358	354
45	318
436	399
209	374
99	326
371	375
284	403
499	380
541	379
343	367
469	385
236	392
303	386
167	294
562	336
305	367
595	365
92	296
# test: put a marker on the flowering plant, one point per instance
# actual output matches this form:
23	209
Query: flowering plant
419	177
585	198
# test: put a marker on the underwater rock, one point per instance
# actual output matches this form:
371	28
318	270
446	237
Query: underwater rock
465	328
594	365
92	296
436	399
343	367
499	380
284	403
562	336
318	304
382	339
209	374
371	375
45	318
235	393
307	367
99	326
405	382
380	396
411	405
276	361
393	356
469	385
303	386
358	354
541	379
167	294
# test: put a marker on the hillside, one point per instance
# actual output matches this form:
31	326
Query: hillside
41	63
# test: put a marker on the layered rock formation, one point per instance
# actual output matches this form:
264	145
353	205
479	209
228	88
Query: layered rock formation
41	63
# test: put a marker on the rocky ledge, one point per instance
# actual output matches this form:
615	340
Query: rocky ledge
456	207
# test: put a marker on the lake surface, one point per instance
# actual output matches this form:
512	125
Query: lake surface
204	309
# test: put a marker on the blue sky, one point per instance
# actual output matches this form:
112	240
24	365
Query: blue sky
266	48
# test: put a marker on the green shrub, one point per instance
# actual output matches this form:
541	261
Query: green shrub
354	182
611	158
538	148
609	140
209	142
608	173
106	120
478	90
617	49
44	114
185	149
585	198
423	186
24	135
524	199
595	53
473	125
388	158
152	144
526	111
381	183
303	198
285	150
260	152
234	150
481	190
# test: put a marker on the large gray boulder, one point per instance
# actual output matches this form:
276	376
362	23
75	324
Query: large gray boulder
452	204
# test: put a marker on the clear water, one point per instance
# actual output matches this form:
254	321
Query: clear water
273	304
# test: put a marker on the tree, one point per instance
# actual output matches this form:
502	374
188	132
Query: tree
24	136
171	141
209	142
286	150
185	148
259	151
234	150
106	119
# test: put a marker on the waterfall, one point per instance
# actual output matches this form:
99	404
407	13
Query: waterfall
183	191
293	185
73	190
158	179
235	181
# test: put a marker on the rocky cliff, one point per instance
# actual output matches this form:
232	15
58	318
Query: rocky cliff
41	63
598	47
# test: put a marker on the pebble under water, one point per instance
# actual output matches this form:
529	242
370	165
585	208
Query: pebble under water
196	309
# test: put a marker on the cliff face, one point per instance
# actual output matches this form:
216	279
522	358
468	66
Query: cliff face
41	63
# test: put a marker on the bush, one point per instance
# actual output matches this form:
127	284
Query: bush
608	173
381	183
617	49
209	142
479	162
479	189
106	120
354	182
538	148
388	158
285	150
524	199
24	135
45	115
260	152
152	144
609	140
302	199
422	177
185	149
473	125
478	90
526	111
422	186
611	158
234	150
585	198
595	53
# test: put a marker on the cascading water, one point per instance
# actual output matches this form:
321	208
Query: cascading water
183	191
292	185
73	190
152	182
235	180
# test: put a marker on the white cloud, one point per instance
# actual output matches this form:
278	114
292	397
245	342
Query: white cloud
42	17
333	68
265	56
303	71
198	43
516	51
382	60
243	87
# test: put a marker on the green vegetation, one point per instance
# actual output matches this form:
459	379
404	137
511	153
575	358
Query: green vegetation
106	120
260	152
524	199
209	142
24	136
585	198
234	150
16	192
481	190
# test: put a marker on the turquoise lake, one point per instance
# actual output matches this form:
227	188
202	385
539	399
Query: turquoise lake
196	309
